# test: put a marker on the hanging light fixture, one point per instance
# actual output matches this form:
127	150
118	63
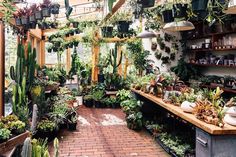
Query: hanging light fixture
179	26
147	34
231	7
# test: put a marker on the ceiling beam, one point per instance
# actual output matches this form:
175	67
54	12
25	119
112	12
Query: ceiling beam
117	6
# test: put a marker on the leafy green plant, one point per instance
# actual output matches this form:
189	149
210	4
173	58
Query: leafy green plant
123	95
98	95
4	134
131	106
134	121
9	118
185	71
46	126
59	114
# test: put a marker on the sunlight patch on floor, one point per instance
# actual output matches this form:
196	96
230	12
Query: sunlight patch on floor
109	119
83	121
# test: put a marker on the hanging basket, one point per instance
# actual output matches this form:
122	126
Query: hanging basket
24	20
167	16
146	3
180	10
18	21
32	18
107	32
199	5
38	15
55	8
123	26
46	12
75	24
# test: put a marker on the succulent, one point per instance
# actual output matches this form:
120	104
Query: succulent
4	134
46	126
17	126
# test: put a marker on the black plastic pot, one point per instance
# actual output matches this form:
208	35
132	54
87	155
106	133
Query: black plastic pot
101	78
71	126
55	49
49	50
167	16
67	34
107	32
55	8
75	24
53	25
180	10
32	18
199	5
77	31
38	15
76	44
32	25
123	26
71	45
46	12
88	103
18	21
24	20
71	33
146	3
98	104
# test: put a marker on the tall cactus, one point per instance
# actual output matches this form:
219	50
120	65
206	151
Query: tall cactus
114	60
27	148
56	147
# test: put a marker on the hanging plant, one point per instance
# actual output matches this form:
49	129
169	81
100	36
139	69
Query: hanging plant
158	55
55	7
172	56
162	45
154	46
165	59
46	8
167	49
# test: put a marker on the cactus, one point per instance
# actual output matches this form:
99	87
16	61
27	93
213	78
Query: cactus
113	59
34	118
38	151
56	147
27	148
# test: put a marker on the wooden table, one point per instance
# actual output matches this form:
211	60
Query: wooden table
211	140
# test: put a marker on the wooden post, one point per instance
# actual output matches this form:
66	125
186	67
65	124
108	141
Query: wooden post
95	56
2	67
126	66
68	60
42	53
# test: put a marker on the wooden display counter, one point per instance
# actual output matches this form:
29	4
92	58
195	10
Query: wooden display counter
209	128
211	140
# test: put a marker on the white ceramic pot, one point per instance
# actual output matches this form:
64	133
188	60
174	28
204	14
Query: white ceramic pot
187	106
230	120
231	111
79	100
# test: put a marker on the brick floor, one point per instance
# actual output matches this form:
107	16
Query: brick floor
103	133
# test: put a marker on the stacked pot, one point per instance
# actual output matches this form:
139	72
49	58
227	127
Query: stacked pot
230	116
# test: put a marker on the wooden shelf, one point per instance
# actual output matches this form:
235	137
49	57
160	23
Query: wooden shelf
210	50
210	35
228	90
176	110
213	65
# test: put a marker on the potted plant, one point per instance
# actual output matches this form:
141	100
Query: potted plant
123	20
32	18
4	135
199	5
134	121
25	17
97	97
55	7
180	10
167	15
38	13
46	8
88	100
146	3
46	129
17	16
17	127
107	31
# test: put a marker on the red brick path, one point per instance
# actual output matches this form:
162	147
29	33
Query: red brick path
103	133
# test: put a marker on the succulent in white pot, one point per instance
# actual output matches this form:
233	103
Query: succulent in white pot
187	106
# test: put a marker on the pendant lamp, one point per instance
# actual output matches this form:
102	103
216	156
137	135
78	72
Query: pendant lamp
146	34
179	26
231	7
